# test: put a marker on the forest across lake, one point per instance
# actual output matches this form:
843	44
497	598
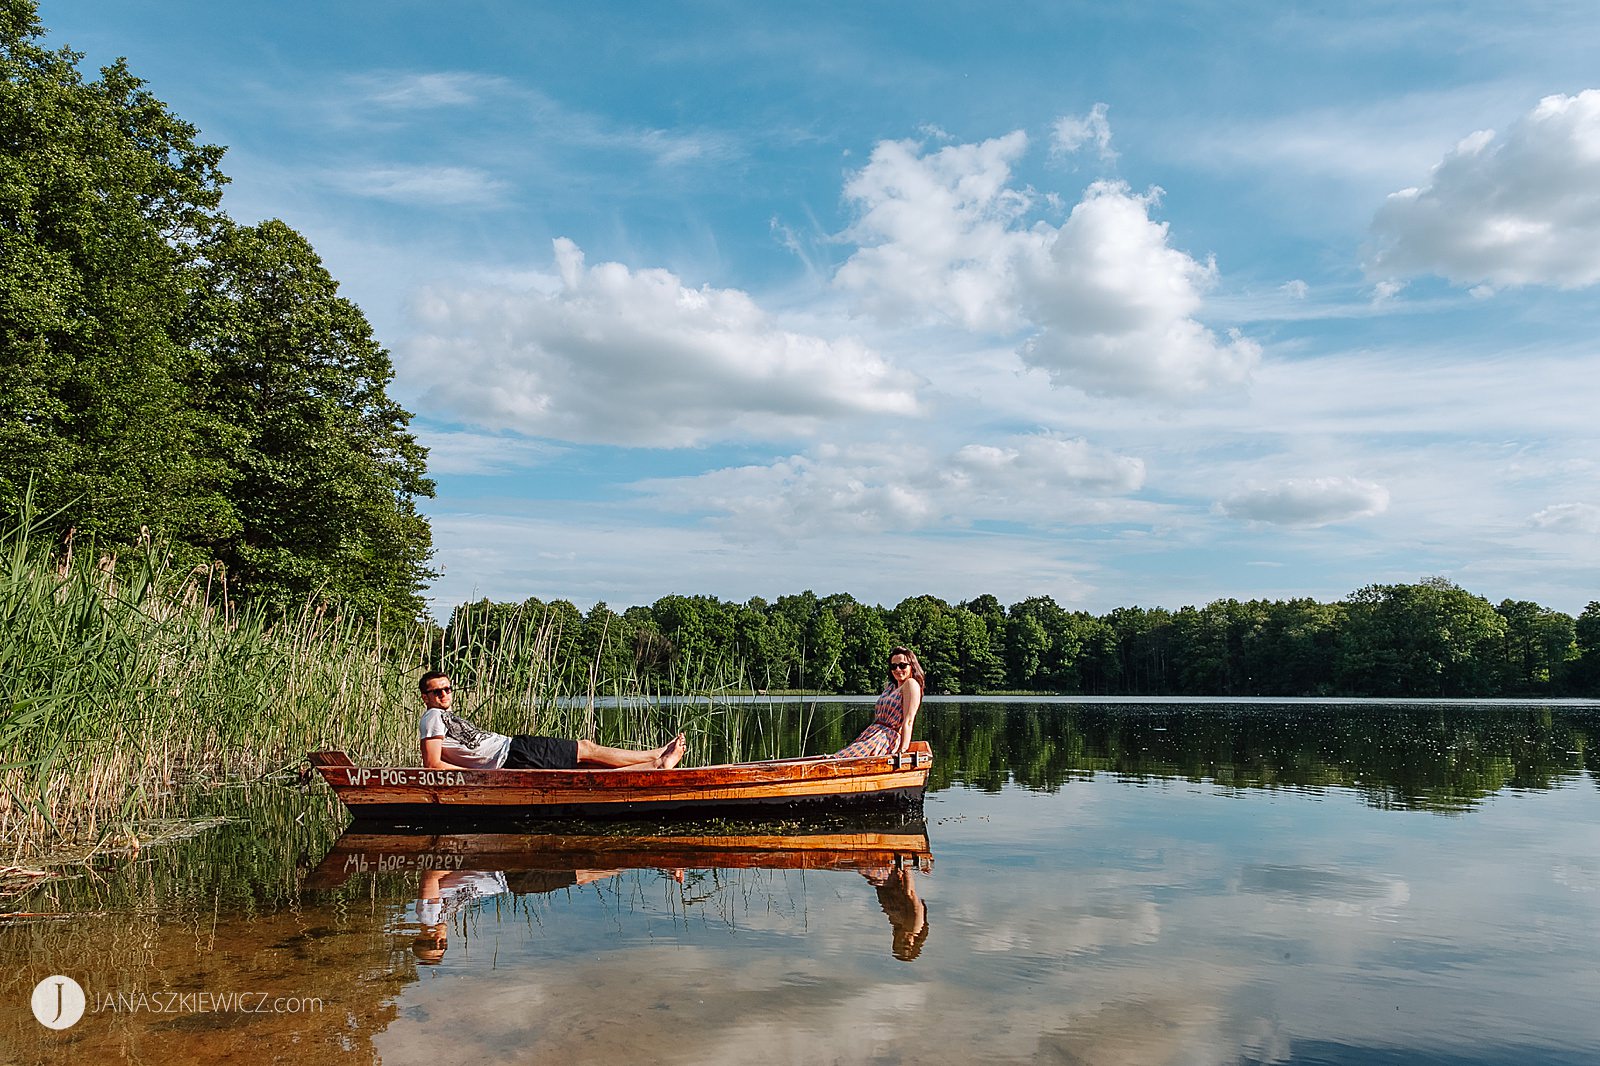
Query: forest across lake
1431	638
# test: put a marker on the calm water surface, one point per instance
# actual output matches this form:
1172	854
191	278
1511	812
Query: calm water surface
1163	884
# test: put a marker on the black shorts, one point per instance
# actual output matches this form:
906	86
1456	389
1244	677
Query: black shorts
541	753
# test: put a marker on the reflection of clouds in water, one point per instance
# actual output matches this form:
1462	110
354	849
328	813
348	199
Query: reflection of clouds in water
1170	928
1065	935
1157	1030
1319	890
1580	875
678	1005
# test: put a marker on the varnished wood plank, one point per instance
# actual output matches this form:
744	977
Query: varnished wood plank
806	780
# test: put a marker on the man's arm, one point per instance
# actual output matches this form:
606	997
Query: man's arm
433	755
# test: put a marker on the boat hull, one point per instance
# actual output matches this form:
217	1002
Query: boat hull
414	796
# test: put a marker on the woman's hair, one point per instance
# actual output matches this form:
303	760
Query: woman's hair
916	667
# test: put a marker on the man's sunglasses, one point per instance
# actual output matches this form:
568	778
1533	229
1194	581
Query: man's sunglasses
440	691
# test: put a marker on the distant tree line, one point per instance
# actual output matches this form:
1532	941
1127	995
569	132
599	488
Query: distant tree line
170	376
1429	639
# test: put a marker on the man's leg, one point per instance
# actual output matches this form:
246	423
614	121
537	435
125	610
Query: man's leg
663	758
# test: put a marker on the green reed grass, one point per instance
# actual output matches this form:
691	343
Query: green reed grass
126	680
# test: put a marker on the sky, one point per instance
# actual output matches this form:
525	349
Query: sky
1148	304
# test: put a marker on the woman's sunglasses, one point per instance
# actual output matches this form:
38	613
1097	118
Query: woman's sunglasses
899	666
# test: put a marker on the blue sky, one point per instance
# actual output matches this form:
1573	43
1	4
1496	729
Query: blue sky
1149	306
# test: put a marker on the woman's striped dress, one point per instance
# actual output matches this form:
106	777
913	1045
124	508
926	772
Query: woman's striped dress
880	737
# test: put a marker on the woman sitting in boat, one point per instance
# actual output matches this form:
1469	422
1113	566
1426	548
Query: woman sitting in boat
450	742
892	718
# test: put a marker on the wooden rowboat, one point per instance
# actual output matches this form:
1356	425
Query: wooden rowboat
411	795
850	848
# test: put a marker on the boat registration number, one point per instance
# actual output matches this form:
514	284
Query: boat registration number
360	776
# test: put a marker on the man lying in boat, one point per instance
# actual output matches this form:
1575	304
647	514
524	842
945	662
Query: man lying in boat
450	742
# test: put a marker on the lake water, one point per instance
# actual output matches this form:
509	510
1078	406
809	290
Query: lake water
1197	883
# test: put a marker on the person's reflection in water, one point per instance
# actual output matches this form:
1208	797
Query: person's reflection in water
897	895
441	894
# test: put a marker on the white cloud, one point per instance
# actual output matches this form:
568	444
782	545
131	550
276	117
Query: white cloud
936	232
1116	303
1309	501
1295	290
606	354
1045	464
432	186
416	91
1071	133
1385	291
1041	479
1517	209
1568	518
1108	304
482	453
587	553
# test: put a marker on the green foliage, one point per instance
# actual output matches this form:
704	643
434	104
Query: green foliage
1428	639
117	682
927	625
164	370
103	197
324	470
1584	673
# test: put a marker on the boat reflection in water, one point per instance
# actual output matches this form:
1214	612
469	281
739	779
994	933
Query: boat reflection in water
451	874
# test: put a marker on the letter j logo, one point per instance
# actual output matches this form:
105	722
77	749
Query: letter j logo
58	1002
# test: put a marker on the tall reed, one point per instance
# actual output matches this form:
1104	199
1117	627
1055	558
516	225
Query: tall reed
122	681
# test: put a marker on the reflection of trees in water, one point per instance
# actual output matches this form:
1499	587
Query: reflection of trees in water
1438	756
220	912
1418	756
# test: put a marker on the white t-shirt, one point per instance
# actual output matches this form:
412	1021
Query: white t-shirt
464	743
457	889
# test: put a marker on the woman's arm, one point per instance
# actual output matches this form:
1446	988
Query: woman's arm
910	700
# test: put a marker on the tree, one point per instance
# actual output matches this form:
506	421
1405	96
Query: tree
163	371
606	648
927	625
865	643
1584	675
1026	645
825	646
1429	639
812	638
104	198
1538	643
979	668
326	473
1144	650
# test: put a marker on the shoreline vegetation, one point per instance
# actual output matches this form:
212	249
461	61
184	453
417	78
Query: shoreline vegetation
214	562
133	682
1430	639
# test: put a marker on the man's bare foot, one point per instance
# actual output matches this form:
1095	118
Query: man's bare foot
672	753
